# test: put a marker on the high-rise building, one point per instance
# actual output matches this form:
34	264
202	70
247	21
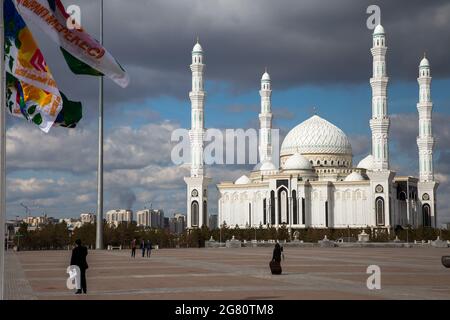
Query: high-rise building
87	218
178	223
115	217
150	218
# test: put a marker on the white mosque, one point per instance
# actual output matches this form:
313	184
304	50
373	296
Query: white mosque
318	184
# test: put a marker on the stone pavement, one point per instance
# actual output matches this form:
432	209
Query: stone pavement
16	285
308	273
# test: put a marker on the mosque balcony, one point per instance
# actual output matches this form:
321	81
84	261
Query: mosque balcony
378	51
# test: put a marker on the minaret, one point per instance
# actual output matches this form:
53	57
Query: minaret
197	183
265	119
379	124
427	186
197	96
425	140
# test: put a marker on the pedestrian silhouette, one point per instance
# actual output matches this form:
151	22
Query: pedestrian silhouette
133	248
275	264
148	247
79	254
143	248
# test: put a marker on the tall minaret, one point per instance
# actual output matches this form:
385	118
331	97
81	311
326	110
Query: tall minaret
265	119
379	124
197	96
427	186
425	140
197	183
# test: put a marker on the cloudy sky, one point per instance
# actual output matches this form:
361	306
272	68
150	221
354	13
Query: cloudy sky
317	52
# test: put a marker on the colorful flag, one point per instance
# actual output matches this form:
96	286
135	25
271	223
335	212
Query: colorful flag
83	53
24	106
31	91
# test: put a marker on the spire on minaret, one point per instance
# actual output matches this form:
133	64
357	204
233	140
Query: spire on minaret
380	122
265	118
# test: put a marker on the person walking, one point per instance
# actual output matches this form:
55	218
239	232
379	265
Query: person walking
275	264
133	248
143	247
148	247
79	254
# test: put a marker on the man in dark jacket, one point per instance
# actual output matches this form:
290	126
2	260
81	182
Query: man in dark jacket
79	254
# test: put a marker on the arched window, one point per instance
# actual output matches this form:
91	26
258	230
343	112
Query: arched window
264	211
283	206
326	214
379	211
426	215
194	214
303	211
205	213
272	207
294	207
250	215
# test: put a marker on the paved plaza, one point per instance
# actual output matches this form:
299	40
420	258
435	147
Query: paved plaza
308	273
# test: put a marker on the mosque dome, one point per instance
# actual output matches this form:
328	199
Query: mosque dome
366	163
378	29
243	180
267	167
316	136
297	162
354	176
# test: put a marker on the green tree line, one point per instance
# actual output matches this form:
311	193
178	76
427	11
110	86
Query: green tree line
57	236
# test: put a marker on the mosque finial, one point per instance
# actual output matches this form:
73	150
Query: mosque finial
265	70
198	39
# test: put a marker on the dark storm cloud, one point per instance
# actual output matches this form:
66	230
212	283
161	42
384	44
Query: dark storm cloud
302	42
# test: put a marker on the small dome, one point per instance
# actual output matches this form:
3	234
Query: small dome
267	166
297	162
424	62
354	176
265	77
197	48
366	163
378	30
243	180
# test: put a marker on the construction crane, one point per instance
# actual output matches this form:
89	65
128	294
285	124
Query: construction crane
27	210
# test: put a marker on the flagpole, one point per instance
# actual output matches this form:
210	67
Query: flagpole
2	154
99	234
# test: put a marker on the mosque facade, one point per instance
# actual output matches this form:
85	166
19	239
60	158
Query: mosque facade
316	184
